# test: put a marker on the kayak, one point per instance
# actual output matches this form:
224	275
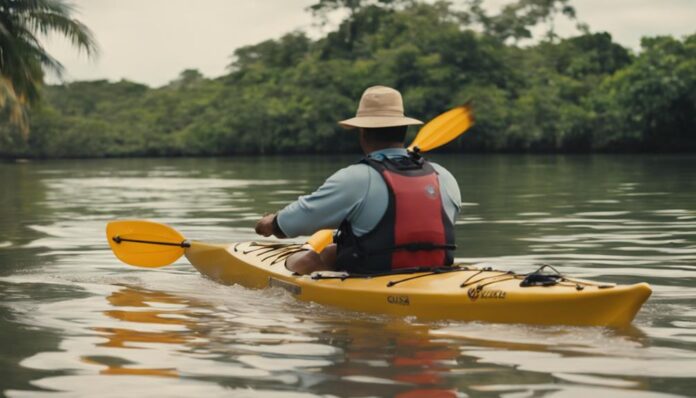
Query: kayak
460	292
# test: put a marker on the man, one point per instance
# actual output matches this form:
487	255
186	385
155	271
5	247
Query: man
393	210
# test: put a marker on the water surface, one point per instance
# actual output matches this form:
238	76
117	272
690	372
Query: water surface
76	322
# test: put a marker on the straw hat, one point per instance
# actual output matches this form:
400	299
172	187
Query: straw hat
380	106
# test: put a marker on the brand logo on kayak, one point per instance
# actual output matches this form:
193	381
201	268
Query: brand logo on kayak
430	192
294	289
475	294
399	300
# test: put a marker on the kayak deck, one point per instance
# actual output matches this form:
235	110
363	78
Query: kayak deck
461	293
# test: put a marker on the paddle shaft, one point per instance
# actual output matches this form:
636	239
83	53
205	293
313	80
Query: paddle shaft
119	239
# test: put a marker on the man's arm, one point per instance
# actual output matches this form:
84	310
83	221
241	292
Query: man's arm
452	197
325	208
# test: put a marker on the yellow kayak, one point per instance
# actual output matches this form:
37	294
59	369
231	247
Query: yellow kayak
459	293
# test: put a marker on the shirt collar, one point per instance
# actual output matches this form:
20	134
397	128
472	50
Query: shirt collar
388	153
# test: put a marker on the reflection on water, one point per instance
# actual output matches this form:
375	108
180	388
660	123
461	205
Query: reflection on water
83	324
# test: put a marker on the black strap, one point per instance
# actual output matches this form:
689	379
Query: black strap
412	161
403	163
276	229
400	271
119	239
413	247
539	278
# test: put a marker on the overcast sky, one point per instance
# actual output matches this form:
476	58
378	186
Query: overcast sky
152	41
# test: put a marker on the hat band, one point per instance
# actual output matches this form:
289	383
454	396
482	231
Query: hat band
386	113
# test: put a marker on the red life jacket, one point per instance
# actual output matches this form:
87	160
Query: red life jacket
415	230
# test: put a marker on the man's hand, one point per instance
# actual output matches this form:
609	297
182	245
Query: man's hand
267	226
264	226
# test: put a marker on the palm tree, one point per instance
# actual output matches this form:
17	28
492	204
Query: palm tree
23	60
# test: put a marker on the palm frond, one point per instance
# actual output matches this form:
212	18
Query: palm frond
30	45
29	6
23	59
74	30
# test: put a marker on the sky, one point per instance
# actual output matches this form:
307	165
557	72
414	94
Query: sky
152	41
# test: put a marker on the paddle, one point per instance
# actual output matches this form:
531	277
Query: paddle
145	243
436	133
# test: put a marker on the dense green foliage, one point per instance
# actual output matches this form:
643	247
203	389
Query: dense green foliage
581	94
22	57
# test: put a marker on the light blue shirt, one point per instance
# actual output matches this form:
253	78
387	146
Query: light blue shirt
358	194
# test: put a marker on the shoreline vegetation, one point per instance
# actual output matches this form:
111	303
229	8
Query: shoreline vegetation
583	94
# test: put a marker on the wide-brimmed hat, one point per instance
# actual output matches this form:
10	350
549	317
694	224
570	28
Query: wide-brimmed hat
380	106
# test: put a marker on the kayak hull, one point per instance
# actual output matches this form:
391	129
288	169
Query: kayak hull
466	294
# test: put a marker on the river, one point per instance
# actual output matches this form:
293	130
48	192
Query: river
74	321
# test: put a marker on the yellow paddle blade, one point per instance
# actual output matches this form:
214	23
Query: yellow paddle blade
145	243
320	239
443	129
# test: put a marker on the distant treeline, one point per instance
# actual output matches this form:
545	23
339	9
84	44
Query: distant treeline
581	94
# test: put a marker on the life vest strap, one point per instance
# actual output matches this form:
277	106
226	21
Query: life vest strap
416	246
403	163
